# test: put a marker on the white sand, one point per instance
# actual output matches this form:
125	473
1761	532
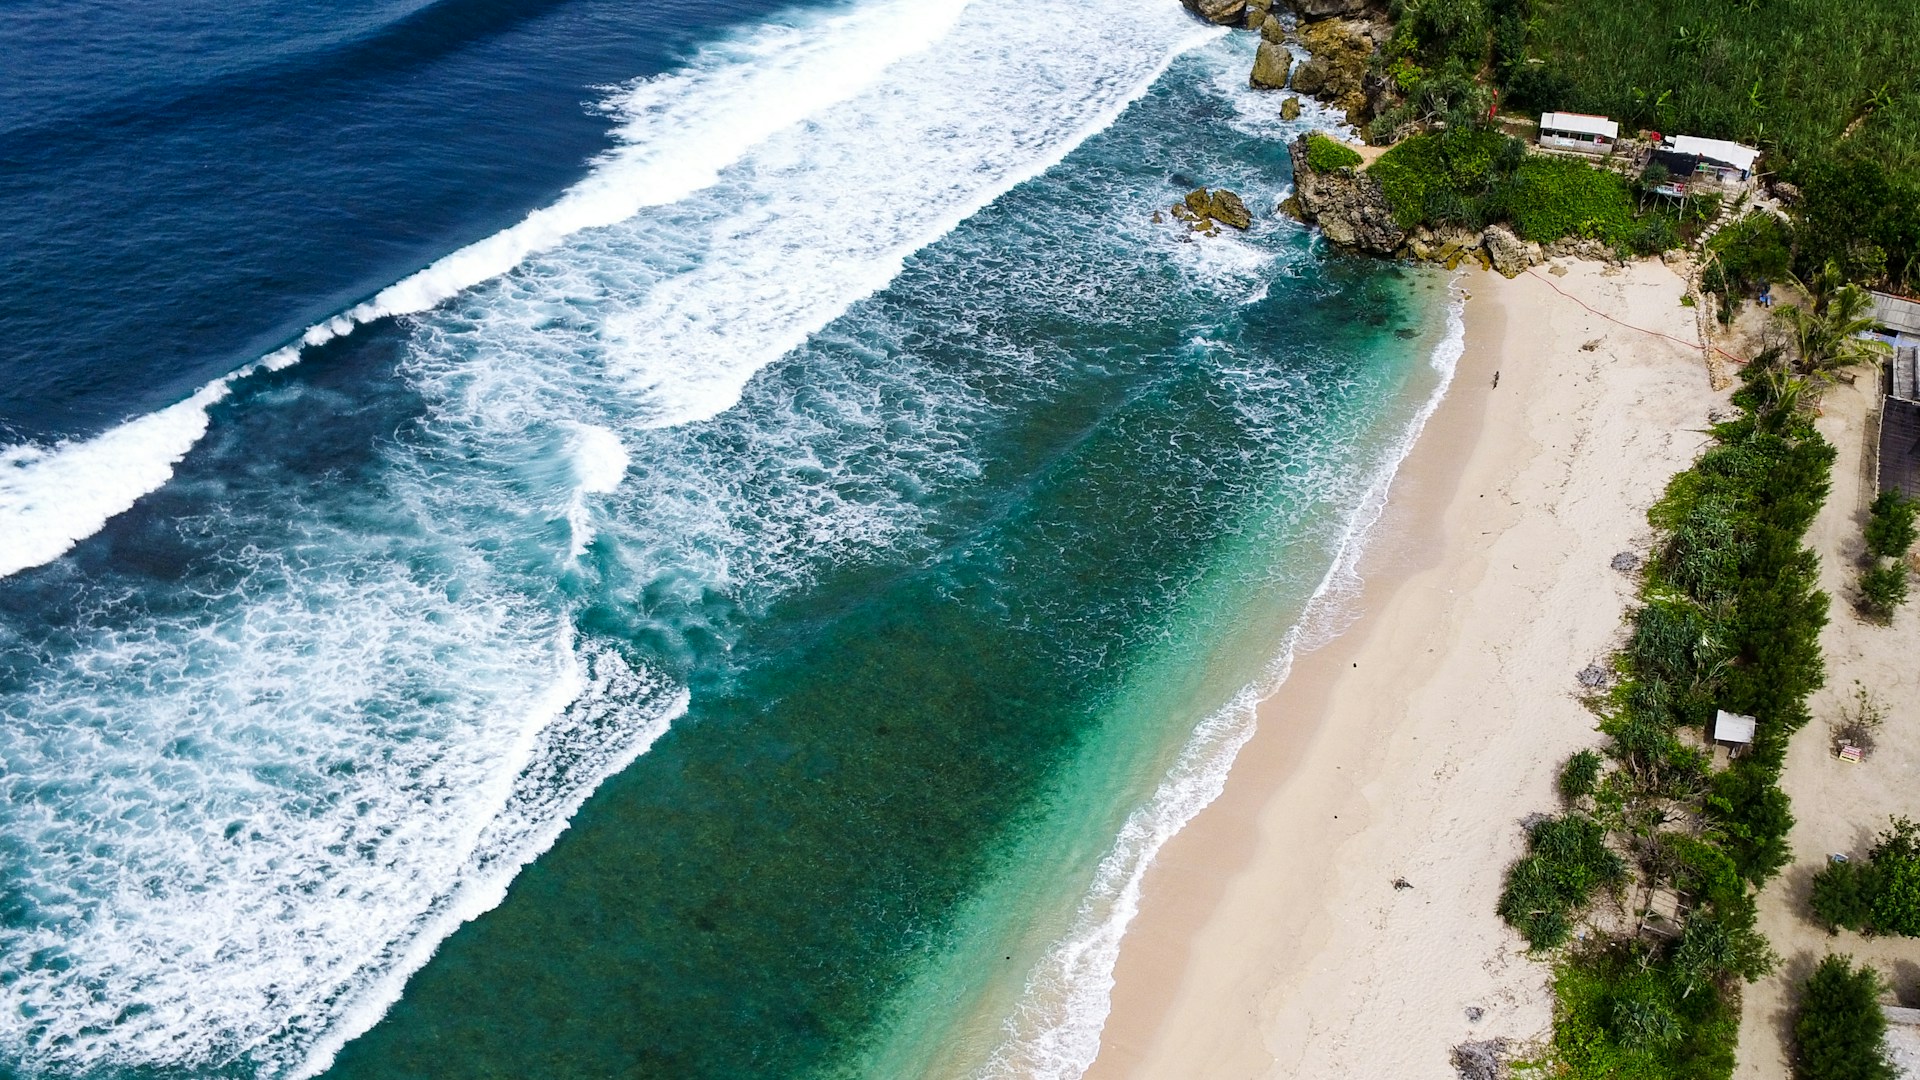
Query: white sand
1272	941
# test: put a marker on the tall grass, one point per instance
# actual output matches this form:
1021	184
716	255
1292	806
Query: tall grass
1792	76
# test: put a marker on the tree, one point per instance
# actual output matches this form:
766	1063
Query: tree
1890	530
1827	338
1883	589
1841	1032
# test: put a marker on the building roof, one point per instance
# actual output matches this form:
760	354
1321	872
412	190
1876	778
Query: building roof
1733	727
1583	123
1897	315
1680	167
1720	150
1900	447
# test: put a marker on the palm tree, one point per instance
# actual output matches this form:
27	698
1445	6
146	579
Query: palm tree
1828	338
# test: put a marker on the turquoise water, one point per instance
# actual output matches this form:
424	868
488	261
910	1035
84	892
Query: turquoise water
835	568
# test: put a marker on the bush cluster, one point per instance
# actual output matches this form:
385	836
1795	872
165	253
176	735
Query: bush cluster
1326	155
1840	1033
1880	895
1567	859
1889	535
1472	176
1731	618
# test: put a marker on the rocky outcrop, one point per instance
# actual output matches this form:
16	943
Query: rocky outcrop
1507	252
1336	71
1271	66
1257	13
1290	108
1347	205
1203	210
1310	10
1219	12
1272	29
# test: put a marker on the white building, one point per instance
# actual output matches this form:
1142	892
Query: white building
1578	131
1721	161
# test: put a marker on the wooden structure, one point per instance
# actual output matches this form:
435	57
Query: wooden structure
1899	464
1579	132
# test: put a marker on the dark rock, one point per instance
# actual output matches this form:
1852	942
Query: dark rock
1594	677
1474	1013
1626	562
1220	12
1205	210
1786	193
1271	65
1348	205
1290	108
1484	1059
1327	9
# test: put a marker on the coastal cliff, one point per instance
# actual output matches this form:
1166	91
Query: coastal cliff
1347	204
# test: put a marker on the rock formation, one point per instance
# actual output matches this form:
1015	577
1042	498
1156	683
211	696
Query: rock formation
1204	210
1290	108
1271	65
1310	10
1507	252
1220	12
1336	71
1347	205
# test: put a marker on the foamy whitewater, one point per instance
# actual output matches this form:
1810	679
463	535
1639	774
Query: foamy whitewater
254	814
1054	1034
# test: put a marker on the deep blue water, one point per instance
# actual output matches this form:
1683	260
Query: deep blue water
185	186
770	536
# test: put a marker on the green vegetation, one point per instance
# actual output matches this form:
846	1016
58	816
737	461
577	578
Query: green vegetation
1622	1013
1580	775
1473	177
1567	859
1883	588
1879	896
1841	1032
1889	536
1730	618
1890	529
1744	258
1820	86
1327	155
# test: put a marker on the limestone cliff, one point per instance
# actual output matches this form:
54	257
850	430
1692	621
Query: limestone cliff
1347	204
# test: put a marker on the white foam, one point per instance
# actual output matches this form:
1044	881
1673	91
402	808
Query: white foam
1054	1033
390	718
51	498
678	131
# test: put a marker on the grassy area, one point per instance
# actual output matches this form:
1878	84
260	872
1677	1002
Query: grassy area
1474	177
1730	618
1822	86
1798	76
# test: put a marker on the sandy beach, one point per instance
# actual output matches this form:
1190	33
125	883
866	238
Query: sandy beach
1331	914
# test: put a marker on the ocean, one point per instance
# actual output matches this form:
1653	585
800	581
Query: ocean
579	539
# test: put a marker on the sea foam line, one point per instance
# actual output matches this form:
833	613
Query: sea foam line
678	132
1054	1032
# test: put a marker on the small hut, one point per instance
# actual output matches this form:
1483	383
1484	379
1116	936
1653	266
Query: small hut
1733	731
1580	132
1727	164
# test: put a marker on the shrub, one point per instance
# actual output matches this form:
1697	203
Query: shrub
1841	1032
1896	884
1579	775
1883	588
1890	529
1842	896
1555	197
1327	155
1567	860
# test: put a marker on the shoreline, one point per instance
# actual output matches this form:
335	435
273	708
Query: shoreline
1271	936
